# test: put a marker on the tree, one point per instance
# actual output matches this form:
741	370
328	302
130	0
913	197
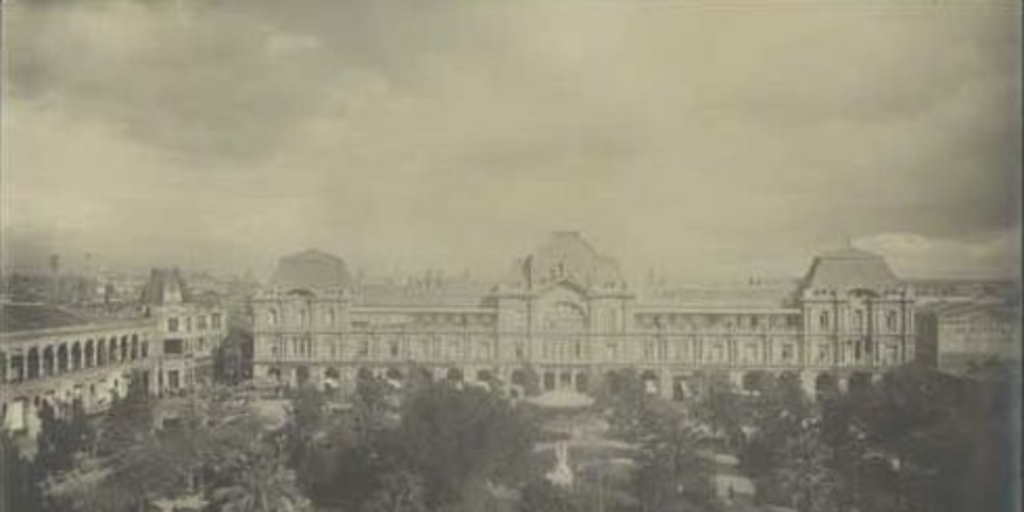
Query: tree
59	440
21	484
457	437
306	416
721	408
127	420
630	405
233	358
541	496
261	484
398	491
804	476
373	404
671	473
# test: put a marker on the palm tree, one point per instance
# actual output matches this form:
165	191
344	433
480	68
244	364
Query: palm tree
262	484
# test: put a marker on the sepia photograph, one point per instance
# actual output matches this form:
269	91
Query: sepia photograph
510	255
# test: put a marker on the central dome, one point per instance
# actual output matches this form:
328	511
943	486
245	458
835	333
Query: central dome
567	256
311	270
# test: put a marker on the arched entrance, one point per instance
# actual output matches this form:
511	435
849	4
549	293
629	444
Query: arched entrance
76	356
62	358
302	375
549	381
860	385
650	382
48	361
454	375
582	382
826	386
613	382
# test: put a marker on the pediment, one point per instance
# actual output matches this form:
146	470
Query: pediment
565	286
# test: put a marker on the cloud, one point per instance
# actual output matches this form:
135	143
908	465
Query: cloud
684	135
911	255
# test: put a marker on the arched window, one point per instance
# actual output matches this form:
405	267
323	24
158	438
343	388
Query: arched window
823	320
565	317
89	355
858	319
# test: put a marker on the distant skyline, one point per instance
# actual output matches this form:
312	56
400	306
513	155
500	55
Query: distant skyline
705	140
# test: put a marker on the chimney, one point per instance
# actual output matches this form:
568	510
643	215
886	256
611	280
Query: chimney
54	278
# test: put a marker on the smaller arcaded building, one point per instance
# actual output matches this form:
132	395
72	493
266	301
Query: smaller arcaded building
566	316
60	356
51	355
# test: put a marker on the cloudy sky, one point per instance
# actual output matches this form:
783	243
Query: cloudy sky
703	138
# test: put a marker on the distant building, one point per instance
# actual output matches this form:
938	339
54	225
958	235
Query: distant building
566	314
957	337
965	290
188	332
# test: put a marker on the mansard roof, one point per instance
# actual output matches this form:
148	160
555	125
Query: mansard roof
567	256
848	269
457	294
165	286
311	270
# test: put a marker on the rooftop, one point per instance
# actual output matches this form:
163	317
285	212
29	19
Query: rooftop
311	270
566	255
16	317
847	269
456	294
165	286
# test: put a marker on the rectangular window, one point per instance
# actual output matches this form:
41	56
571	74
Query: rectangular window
215	320
174	346
201	322
172	325
173	380
787	352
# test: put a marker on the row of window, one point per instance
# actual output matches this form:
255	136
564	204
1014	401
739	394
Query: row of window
304	317
179	346
859	352
564	318
175	324
892	323
709	351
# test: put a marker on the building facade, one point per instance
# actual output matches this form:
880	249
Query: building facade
188	332
567	315
958	337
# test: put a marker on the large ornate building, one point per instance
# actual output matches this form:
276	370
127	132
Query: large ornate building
567	316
